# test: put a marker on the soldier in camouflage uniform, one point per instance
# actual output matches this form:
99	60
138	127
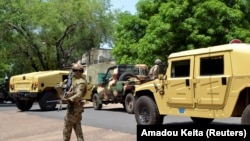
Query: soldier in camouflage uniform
154	71
75	105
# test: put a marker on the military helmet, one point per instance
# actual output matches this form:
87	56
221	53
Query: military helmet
158	61
77	66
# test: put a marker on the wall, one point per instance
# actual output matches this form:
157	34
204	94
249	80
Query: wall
96	55
92	71
97	61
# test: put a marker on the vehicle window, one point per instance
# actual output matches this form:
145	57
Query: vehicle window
212	65
64	77
143	71
137	71
122	70
129	69
108	75
180	68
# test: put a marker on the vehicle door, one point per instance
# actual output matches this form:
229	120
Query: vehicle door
212	77
179	83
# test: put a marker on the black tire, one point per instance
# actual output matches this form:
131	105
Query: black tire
125	76
129	103
97	104
44	105
198	120
146	112
245	118
24	105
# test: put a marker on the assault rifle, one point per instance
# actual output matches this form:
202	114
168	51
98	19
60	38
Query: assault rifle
66	89
68	84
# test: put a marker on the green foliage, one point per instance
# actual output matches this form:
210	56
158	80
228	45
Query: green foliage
161	27
50	34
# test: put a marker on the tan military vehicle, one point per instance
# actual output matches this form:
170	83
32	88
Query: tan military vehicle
203	84
36	86
63	87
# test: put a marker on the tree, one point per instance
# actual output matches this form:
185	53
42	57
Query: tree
129	30
161	27
51	34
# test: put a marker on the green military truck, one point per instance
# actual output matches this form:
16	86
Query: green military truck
203	84
118	85
36	87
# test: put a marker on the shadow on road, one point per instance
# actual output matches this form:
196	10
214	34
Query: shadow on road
7	105
114	110
56	109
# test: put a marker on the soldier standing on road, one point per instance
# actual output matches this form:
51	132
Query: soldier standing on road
73	116
154	71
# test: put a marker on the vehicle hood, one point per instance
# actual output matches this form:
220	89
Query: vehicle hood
147	85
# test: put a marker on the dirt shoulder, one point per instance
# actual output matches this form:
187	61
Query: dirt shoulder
25	127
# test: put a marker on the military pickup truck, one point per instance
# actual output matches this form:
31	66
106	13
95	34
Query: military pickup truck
36	87
118	86
203	84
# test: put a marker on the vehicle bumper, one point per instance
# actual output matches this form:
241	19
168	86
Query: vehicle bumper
23	95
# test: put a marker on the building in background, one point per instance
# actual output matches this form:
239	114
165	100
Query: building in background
97	61
96	56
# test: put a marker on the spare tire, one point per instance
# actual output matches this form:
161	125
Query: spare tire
126	75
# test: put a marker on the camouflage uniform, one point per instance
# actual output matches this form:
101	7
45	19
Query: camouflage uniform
74	110
153	72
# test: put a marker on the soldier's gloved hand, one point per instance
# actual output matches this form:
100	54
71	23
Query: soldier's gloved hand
65	101
68	94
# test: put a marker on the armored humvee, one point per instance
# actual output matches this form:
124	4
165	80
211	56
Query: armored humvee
36	87
203	84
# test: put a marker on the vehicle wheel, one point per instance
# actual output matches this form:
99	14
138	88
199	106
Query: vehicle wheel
125	76
197	120
146	112
44	105
245	118
24	105
129	103
97	104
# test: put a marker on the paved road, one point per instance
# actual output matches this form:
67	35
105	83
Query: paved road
33	125
112	116
23	126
